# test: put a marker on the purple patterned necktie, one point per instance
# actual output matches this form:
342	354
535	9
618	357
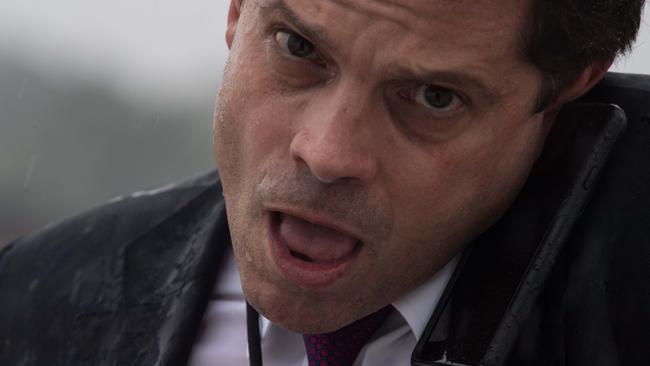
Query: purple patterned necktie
341	347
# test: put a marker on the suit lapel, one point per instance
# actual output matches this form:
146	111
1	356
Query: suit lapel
168	276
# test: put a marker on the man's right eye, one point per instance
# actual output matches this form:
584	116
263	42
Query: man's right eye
294	44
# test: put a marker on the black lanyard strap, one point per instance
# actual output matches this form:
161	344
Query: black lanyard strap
254	341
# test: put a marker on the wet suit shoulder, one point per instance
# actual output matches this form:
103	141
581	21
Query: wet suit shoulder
122	284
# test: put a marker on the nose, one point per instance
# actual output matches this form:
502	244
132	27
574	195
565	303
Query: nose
335	139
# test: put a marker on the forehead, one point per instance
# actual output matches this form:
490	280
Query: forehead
433	21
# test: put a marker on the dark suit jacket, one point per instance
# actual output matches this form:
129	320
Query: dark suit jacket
124	284
127	283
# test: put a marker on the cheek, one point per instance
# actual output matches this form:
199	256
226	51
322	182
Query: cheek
501	167
457	191
251	121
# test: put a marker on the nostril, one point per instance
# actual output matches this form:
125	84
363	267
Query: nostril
330	161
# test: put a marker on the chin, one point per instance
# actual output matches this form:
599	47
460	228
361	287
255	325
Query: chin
300	313
310	323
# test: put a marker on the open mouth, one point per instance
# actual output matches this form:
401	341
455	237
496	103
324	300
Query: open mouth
311	242
310	254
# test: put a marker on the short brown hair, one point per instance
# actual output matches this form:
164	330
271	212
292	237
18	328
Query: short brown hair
563	37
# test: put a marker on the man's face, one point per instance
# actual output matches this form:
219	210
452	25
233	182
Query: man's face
362	143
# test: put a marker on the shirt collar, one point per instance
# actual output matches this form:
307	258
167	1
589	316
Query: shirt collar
265	324
416	307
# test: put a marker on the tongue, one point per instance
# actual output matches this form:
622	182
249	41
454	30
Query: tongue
317	242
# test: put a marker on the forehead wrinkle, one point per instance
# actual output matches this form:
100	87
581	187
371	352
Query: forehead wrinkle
406	14
345	5
394	13
414	15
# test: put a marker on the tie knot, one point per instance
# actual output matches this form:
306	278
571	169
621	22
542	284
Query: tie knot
341	347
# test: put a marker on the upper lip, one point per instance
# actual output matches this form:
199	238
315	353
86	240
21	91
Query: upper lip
318	219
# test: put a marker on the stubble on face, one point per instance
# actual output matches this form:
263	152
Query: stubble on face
279	188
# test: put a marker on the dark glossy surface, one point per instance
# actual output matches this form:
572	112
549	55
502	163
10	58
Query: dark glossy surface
594	307
124	284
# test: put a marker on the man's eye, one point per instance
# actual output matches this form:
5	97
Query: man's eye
294	44
436	98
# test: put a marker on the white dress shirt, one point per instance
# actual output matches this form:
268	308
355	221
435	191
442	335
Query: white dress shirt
223	340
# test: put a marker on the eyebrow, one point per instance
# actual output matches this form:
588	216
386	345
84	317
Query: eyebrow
314	33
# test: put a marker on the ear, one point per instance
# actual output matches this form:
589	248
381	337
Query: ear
233	19
589	77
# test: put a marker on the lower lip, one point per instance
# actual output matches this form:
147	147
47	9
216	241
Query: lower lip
310	275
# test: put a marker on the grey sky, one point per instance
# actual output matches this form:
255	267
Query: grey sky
149	45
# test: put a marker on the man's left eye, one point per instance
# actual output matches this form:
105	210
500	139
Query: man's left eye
294	44
436	98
